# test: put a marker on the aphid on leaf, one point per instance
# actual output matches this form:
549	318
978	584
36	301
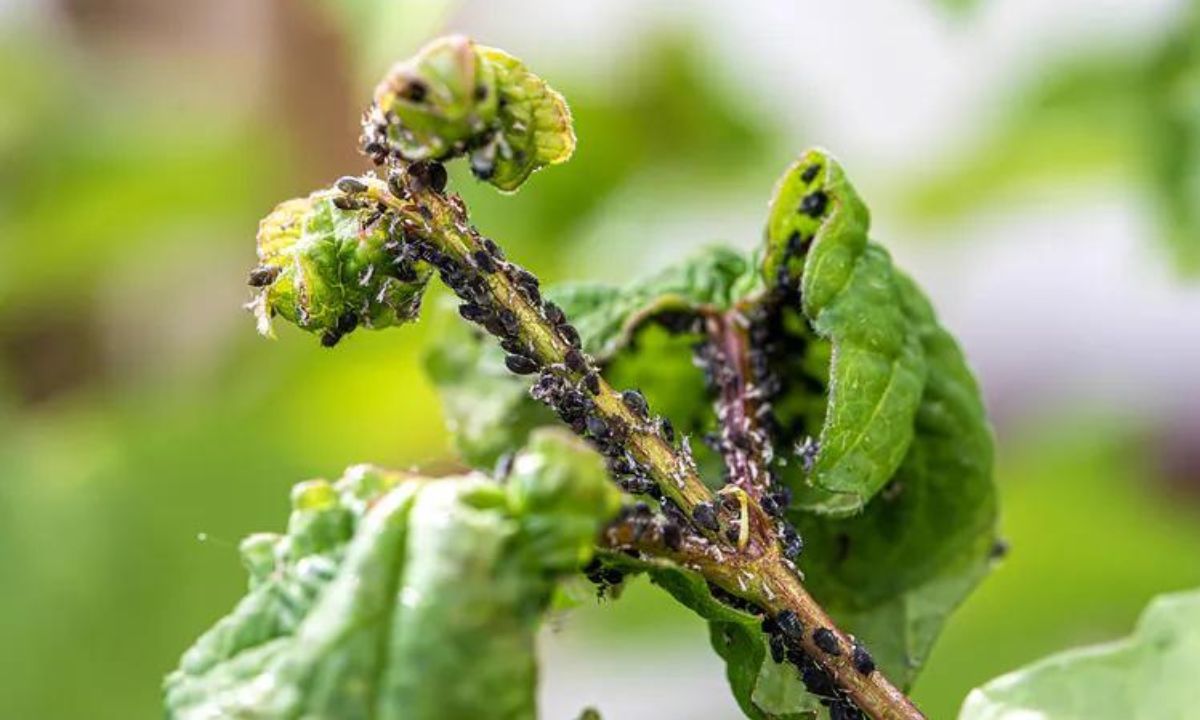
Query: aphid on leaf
814	203
472	312
810	172
825	639
597	427
591	381
570	335
483	261
520	364
346	322
396	184
263	275
792	543
343	202
329	338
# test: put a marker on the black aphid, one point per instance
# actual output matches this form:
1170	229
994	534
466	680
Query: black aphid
636	403
508	319
473	312
414	90
554	314
813	204
705	516
493	249
591	381
483	261
351	185
672	536
597	427
778	648
843	709
862	660
329	338
405	272
570	335
514	346
263	275
825	639
790	625
810	172
346	322
792	543
343	202
666	429
576	361
520	364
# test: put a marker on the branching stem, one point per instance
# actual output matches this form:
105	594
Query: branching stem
740	553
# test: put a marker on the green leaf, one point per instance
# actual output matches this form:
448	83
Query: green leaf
327	271
455	97
1152	673
817	232
387	585
764	689
893	574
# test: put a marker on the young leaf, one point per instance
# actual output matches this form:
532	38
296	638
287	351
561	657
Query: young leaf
455	97
328	270
1152	673
387	586
817	233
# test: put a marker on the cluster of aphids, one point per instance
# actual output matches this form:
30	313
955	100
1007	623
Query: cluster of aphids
785	635
375	144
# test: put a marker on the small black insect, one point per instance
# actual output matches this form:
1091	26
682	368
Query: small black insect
666	429
437	177
576	361
790	625
483	261
862	660
520	364
778	648
342	202
597	427
792	543
350	185
514	346
508	319
481	92
813	204
672	536
705	516
263	275
591	381
638	485
825	639
405	272
554	314
473	312
571	335
330	337
504	466
636	403
810	172
493	249
843	709
346	322
414	90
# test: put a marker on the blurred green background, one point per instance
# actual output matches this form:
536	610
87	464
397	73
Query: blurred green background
1037	168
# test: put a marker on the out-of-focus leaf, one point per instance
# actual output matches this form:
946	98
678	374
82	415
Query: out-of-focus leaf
1150	674
455	97
326	270
1132	116
380	30
386	586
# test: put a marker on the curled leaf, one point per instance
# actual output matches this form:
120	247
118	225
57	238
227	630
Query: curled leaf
817	233
387	586
328	270
455	98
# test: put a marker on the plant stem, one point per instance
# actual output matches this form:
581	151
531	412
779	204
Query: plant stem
741	554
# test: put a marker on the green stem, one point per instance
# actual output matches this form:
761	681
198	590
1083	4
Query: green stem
749	564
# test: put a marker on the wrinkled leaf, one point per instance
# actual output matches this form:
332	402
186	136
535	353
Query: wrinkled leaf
455	97
1150	674
387	586
326	270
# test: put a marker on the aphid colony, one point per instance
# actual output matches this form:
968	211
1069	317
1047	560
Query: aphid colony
785	637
